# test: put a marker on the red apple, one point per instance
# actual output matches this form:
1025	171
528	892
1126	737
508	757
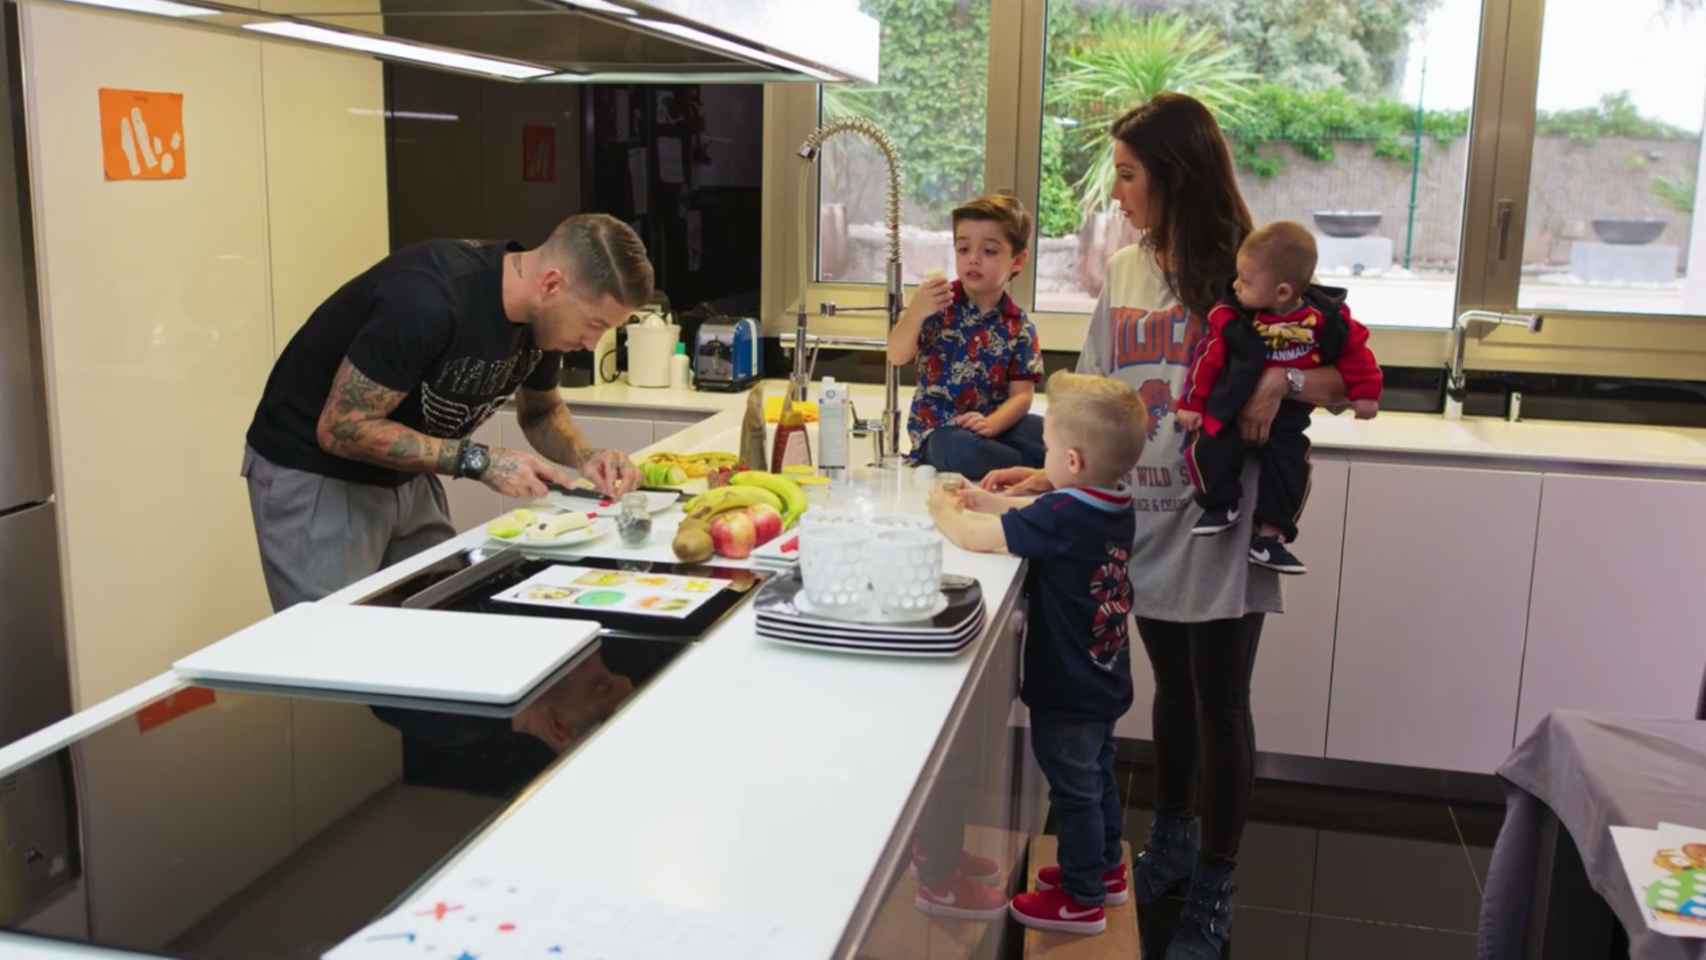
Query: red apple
732	534
766	521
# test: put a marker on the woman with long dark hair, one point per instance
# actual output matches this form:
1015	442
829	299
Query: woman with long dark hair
1198	602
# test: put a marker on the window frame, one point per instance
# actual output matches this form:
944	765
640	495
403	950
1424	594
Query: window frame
1501	140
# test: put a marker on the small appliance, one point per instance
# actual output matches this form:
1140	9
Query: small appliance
728	354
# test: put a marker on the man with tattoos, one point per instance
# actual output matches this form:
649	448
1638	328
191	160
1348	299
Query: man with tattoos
378	392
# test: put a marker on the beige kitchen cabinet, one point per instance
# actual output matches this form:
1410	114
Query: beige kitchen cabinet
1294	664
622	433
1433	608
1614	623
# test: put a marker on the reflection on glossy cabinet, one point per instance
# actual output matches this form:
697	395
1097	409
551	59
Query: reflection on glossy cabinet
1615	618
1432	613
472	502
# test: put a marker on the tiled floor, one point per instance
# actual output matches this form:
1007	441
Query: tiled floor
1330	874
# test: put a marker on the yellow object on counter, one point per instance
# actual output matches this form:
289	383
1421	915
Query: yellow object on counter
773	409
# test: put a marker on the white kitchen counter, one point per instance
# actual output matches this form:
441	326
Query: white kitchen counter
752	788
1540	442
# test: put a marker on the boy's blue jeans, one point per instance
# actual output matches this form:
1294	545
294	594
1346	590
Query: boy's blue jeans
958	450
1077	757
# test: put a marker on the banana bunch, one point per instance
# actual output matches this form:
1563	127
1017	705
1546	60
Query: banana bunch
693	465
723	499
792	497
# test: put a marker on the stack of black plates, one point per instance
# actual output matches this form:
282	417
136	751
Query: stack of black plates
951	630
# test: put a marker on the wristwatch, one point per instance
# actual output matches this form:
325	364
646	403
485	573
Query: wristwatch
1293	382
472	459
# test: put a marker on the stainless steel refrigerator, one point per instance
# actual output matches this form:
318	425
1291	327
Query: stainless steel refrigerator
37	823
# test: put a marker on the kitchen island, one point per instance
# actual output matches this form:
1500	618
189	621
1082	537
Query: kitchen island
753	799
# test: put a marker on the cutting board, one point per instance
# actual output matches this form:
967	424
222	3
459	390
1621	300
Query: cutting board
431	654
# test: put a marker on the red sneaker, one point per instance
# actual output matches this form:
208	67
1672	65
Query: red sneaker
1056	910
962	899
981	869
1114	881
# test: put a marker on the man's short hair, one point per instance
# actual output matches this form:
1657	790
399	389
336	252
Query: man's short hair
1103	418
1287	249
603	255
1002	209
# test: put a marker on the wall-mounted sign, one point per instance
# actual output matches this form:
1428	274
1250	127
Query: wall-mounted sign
142	135
538	153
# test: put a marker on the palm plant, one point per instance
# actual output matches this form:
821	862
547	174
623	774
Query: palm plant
1132	61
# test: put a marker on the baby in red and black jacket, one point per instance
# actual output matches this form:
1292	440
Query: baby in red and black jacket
1274	317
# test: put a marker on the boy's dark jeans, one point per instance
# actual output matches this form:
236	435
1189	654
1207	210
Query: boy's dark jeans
1077	757
1217	469
958	450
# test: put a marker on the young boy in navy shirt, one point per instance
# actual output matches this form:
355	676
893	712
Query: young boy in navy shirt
1077	665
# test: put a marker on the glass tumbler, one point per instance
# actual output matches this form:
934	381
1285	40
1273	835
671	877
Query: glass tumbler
905	566
832	567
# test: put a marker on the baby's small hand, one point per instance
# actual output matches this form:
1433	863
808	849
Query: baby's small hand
1365	409
1189	419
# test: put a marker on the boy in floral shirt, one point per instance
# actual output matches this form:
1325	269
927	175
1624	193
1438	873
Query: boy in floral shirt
977	352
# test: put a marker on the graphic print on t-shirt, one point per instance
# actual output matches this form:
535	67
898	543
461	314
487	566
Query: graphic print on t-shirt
1110	587
1290	338
495	380
1164	340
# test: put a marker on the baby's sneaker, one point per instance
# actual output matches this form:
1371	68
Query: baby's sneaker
1216	520
961	898
1114	881
1270	552
1057	910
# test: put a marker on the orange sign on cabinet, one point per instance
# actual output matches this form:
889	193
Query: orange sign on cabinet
142	135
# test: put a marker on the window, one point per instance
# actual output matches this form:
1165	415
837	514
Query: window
1355	126
931	100
1617	161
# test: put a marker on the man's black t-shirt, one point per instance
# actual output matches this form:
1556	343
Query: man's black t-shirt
428	321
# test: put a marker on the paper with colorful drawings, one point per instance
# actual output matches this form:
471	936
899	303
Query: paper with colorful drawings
484	918
1667	874
590	589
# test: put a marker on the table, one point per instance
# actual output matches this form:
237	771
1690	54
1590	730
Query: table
1555	888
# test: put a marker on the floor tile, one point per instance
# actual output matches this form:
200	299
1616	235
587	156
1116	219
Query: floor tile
1479	858
1356	811
1395	880
1336	939
1268	935
1480	824
1276	867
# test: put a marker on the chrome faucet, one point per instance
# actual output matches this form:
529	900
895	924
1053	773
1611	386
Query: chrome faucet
1456	379
886	432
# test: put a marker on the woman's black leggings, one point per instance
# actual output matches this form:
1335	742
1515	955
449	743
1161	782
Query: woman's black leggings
1202	707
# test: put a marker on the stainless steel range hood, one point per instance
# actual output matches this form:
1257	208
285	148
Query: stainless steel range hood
565	41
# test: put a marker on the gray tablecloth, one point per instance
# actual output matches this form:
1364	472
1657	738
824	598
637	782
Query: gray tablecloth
1593	772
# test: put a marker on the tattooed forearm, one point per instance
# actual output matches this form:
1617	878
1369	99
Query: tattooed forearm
546	423
355	423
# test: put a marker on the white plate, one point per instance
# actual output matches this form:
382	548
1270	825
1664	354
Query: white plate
771	550
869	613
655	502
912	654
586	534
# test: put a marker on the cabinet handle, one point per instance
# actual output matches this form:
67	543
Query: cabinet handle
1506	212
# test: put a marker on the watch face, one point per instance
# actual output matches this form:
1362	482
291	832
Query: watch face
478	460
